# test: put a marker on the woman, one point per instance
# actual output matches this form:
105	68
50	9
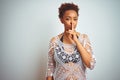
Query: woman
70	52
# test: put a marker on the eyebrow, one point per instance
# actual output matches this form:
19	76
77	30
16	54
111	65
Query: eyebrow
70	17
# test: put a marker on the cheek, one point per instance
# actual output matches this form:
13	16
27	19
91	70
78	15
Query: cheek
76	23
67	23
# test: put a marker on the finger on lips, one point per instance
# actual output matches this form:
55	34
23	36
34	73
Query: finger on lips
71	29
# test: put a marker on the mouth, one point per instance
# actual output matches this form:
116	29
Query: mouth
70	28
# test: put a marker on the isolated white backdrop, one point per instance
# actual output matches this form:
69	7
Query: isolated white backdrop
26	26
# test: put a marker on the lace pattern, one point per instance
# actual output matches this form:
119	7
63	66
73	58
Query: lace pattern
66	58
64	61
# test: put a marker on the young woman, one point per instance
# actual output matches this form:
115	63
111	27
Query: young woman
70	52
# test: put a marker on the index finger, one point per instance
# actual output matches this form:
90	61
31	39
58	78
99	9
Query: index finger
72	26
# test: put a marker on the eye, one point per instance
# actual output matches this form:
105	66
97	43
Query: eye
75	19
67	19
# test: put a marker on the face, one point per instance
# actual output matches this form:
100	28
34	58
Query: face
69	18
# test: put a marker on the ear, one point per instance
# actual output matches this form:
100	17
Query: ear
61	19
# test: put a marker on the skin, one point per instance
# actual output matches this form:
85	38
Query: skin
70	20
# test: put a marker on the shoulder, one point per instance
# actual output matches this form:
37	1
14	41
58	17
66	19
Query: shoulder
55	38
82	34
85	35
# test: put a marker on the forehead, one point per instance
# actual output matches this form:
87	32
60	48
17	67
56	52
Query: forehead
71	13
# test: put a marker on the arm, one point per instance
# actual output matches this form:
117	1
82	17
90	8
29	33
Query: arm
86	52
51	62
49	78
85	49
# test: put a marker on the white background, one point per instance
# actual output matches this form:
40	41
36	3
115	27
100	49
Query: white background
26	27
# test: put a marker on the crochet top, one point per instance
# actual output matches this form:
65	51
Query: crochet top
64	60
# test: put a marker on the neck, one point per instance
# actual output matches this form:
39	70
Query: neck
66	38
65	34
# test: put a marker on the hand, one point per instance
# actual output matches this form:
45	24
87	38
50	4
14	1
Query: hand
72	33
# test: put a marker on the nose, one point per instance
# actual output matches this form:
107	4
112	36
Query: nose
70	23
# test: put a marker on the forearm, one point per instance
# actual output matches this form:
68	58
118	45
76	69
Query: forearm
49	78
86	56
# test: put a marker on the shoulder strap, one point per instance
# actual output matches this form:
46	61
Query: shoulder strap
61	38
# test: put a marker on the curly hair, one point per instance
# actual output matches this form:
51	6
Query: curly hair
67	6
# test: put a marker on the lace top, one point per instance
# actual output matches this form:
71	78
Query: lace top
64	60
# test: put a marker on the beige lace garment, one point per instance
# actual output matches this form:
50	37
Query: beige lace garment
64	60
